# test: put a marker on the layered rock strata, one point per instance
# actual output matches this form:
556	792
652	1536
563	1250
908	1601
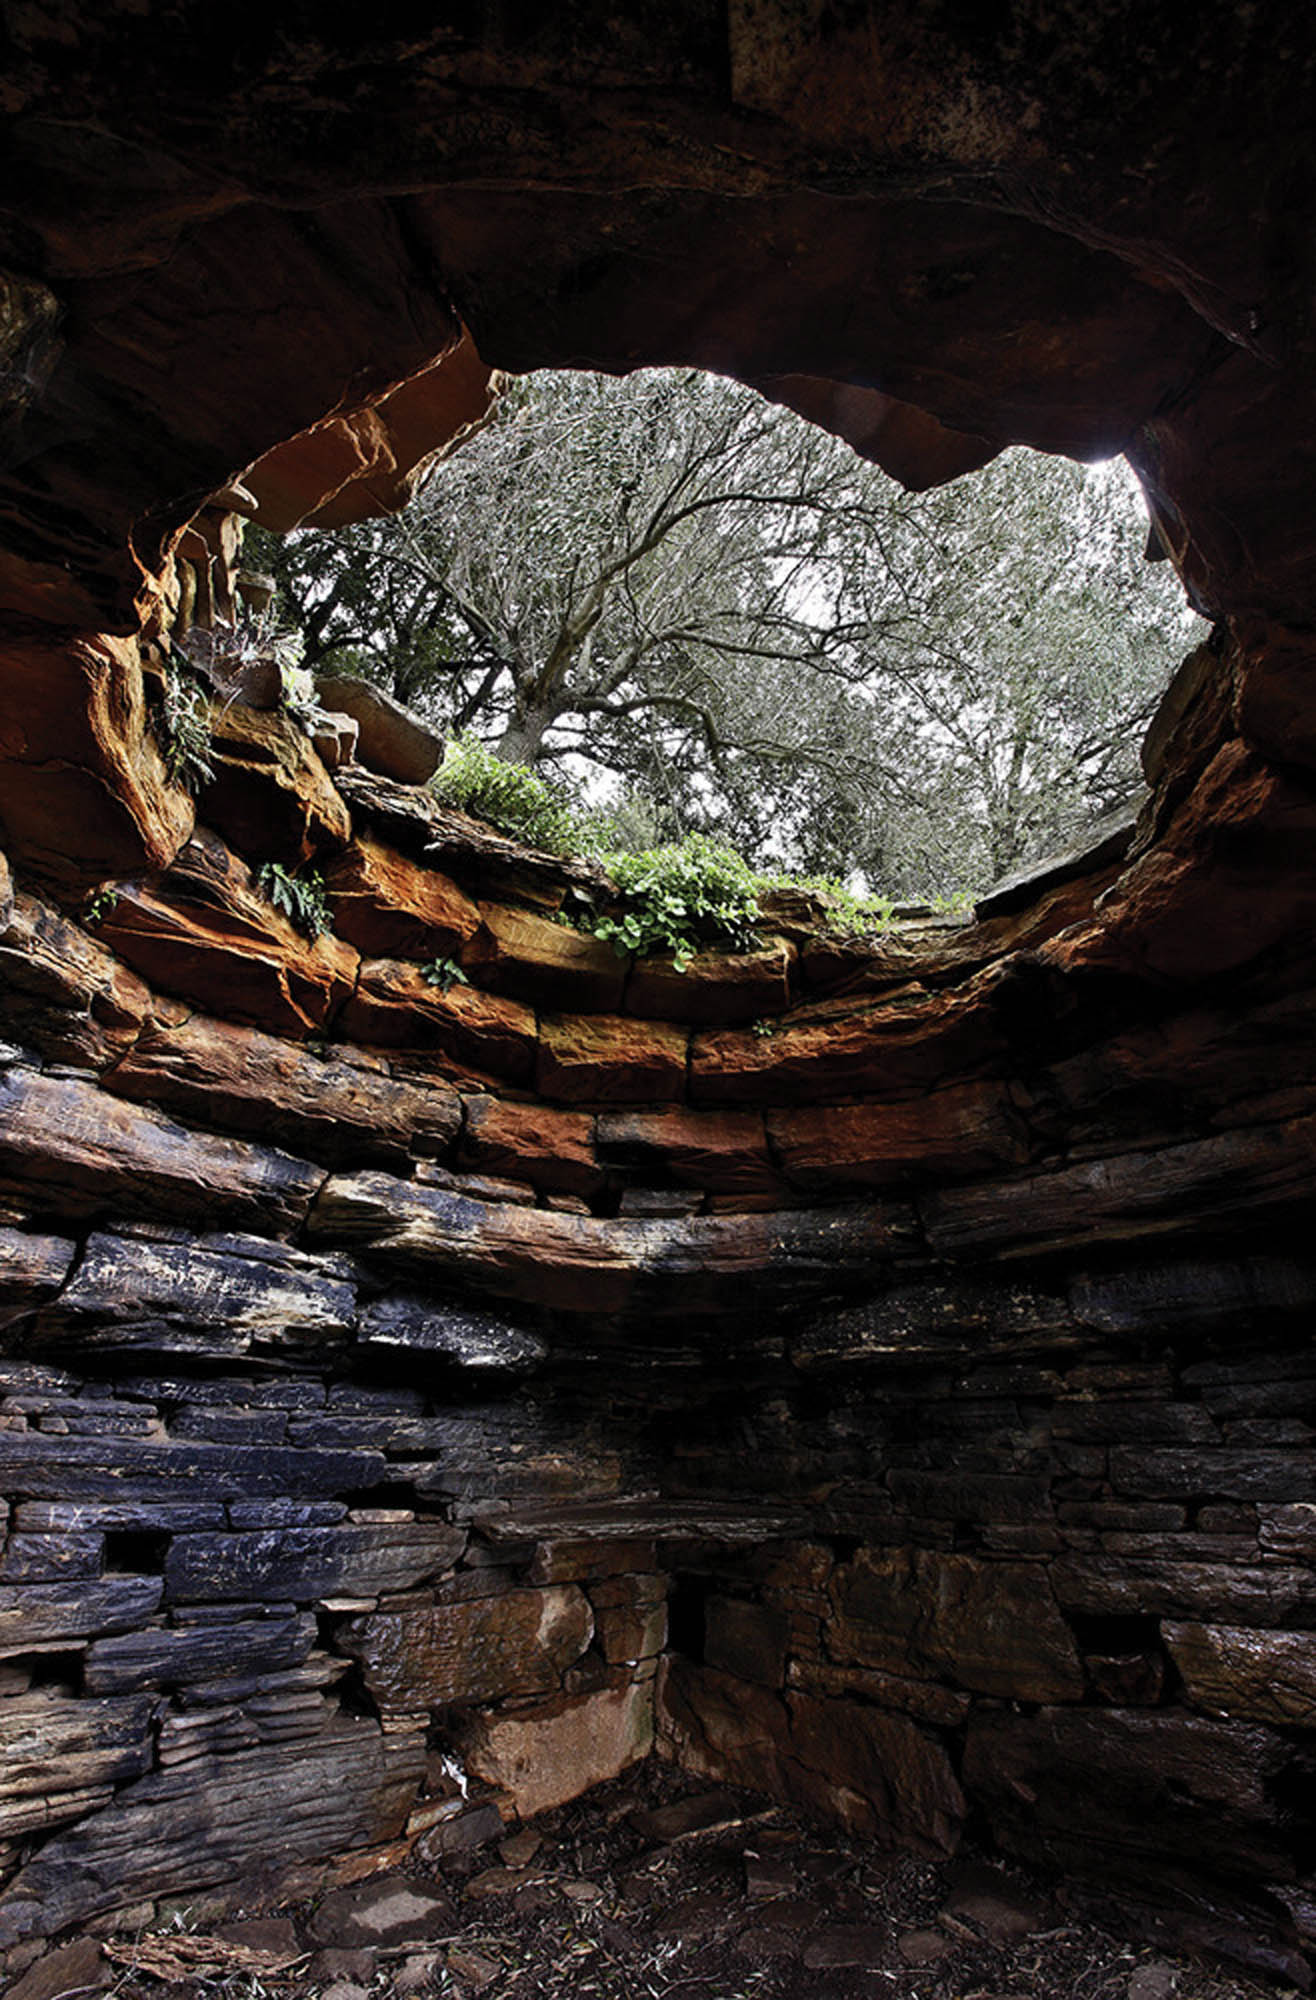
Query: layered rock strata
405	1323
915	1331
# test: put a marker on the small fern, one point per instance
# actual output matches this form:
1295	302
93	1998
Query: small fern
300	897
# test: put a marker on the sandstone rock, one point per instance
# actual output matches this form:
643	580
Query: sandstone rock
390	738
386	1910
337	1106
305	1564
271	797
716	987
150	1479
1229	1179
65	1144
549	1147
724	1151
63	993
1099	846
610	1060
1160	1784
389	906
73	1969
518	1642
992	1626
207	933
925	1701
174	1656
58	1752
557	1749
748	1640
395	1006
31	1268
76	750
876	1775
1231	876
347	1786
479	857
464	1339
584	1263
1265	1676
209	1296
37	1615
908	1041
950	1135
551	965
349	467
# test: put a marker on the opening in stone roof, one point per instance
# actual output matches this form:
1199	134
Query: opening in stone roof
692	610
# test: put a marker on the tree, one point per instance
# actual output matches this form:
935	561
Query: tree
713	602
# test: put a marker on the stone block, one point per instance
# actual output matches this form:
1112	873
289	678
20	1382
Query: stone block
517	1642
55	1750
65	1144
551	1751
550	965
550	1148
716	987
306	1564
161	1656
390	906
270	797
608	1059
747	1640
396	1006
204	1297
43	1615
208	933
183	1830
339	1105
993	1626
1262	1676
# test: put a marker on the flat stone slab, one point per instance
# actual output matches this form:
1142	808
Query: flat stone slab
864	1947
386	1910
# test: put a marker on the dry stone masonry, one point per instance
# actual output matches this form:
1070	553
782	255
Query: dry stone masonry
875	1372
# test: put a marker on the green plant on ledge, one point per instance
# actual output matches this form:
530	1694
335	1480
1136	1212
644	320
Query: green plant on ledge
300	897
182	727
511	797
445	973
679	898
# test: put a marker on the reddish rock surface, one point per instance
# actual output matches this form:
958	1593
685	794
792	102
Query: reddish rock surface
588	1059
336	1107
76	752
560	1747
389	906
953	1134
206	930
396	1006
552	965
516	1642
715	987
271	797
725	1151
551	1148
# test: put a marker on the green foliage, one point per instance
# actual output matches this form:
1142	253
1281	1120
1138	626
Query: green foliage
678	898
182	726
445	973
515	799
300	897
99	905
844	909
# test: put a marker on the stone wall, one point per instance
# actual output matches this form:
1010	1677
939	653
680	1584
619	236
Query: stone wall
922	1320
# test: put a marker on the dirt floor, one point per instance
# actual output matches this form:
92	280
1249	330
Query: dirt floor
648	1887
